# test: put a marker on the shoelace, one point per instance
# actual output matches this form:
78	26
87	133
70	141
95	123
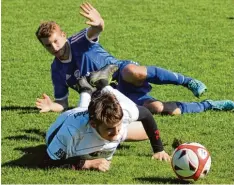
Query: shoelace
194	85
113	81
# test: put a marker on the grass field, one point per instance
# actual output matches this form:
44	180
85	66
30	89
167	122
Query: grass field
194	37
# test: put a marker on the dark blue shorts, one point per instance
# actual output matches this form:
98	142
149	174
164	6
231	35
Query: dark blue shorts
138	94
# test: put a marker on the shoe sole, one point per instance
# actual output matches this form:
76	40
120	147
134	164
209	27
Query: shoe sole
203	92
100	76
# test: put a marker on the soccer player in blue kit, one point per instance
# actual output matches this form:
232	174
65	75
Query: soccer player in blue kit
81	54
87	137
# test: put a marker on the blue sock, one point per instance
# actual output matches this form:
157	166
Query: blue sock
157	75
193	107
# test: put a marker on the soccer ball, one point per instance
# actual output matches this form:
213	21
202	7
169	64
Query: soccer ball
191	161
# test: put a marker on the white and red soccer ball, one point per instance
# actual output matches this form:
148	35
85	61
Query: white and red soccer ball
191	161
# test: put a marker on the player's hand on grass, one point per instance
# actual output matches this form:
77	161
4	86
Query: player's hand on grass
97	164
162	156
93	16
44	103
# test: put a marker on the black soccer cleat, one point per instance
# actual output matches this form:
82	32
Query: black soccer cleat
103	76
82	85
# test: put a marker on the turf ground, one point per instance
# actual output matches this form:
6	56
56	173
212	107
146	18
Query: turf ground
193	37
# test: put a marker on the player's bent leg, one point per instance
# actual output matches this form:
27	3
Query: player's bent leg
158	107
134	74
136	132
162	76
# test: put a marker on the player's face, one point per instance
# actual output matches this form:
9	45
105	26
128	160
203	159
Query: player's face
56	43
109	133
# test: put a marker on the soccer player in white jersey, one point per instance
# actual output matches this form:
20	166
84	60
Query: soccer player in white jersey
87	138
81	54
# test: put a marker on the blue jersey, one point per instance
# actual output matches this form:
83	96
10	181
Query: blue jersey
87	56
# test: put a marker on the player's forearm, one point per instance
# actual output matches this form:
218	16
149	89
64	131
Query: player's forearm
94	31
151	129
75	163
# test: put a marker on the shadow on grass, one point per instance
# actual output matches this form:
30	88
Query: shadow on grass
23	109
162	180
33	157
123	147
22	137
26	137
34	131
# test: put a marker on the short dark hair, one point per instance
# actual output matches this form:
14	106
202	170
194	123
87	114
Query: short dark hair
104	108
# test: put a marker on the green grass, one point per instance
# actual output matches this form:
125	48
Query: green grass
194	37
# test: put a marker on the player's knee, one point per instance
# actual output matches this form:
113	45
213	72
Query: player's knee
134	74
171	108
128	73
158	107
155	107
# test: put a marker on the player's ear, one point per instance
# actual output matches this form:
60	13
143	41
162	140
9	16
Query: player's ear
64	34
92	124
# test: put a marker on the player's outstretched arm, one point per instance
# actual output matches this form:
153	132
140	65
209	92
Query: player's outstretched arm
152	132
94	20
76	163
45	104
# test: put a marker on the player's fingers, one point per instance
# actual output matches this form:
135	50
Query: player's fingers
39	100
108	165
38	106
166	159
43	110
102	168
158	157
83	7
169	158
105	166
45	96
155	157
90	6
86	5
85	15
